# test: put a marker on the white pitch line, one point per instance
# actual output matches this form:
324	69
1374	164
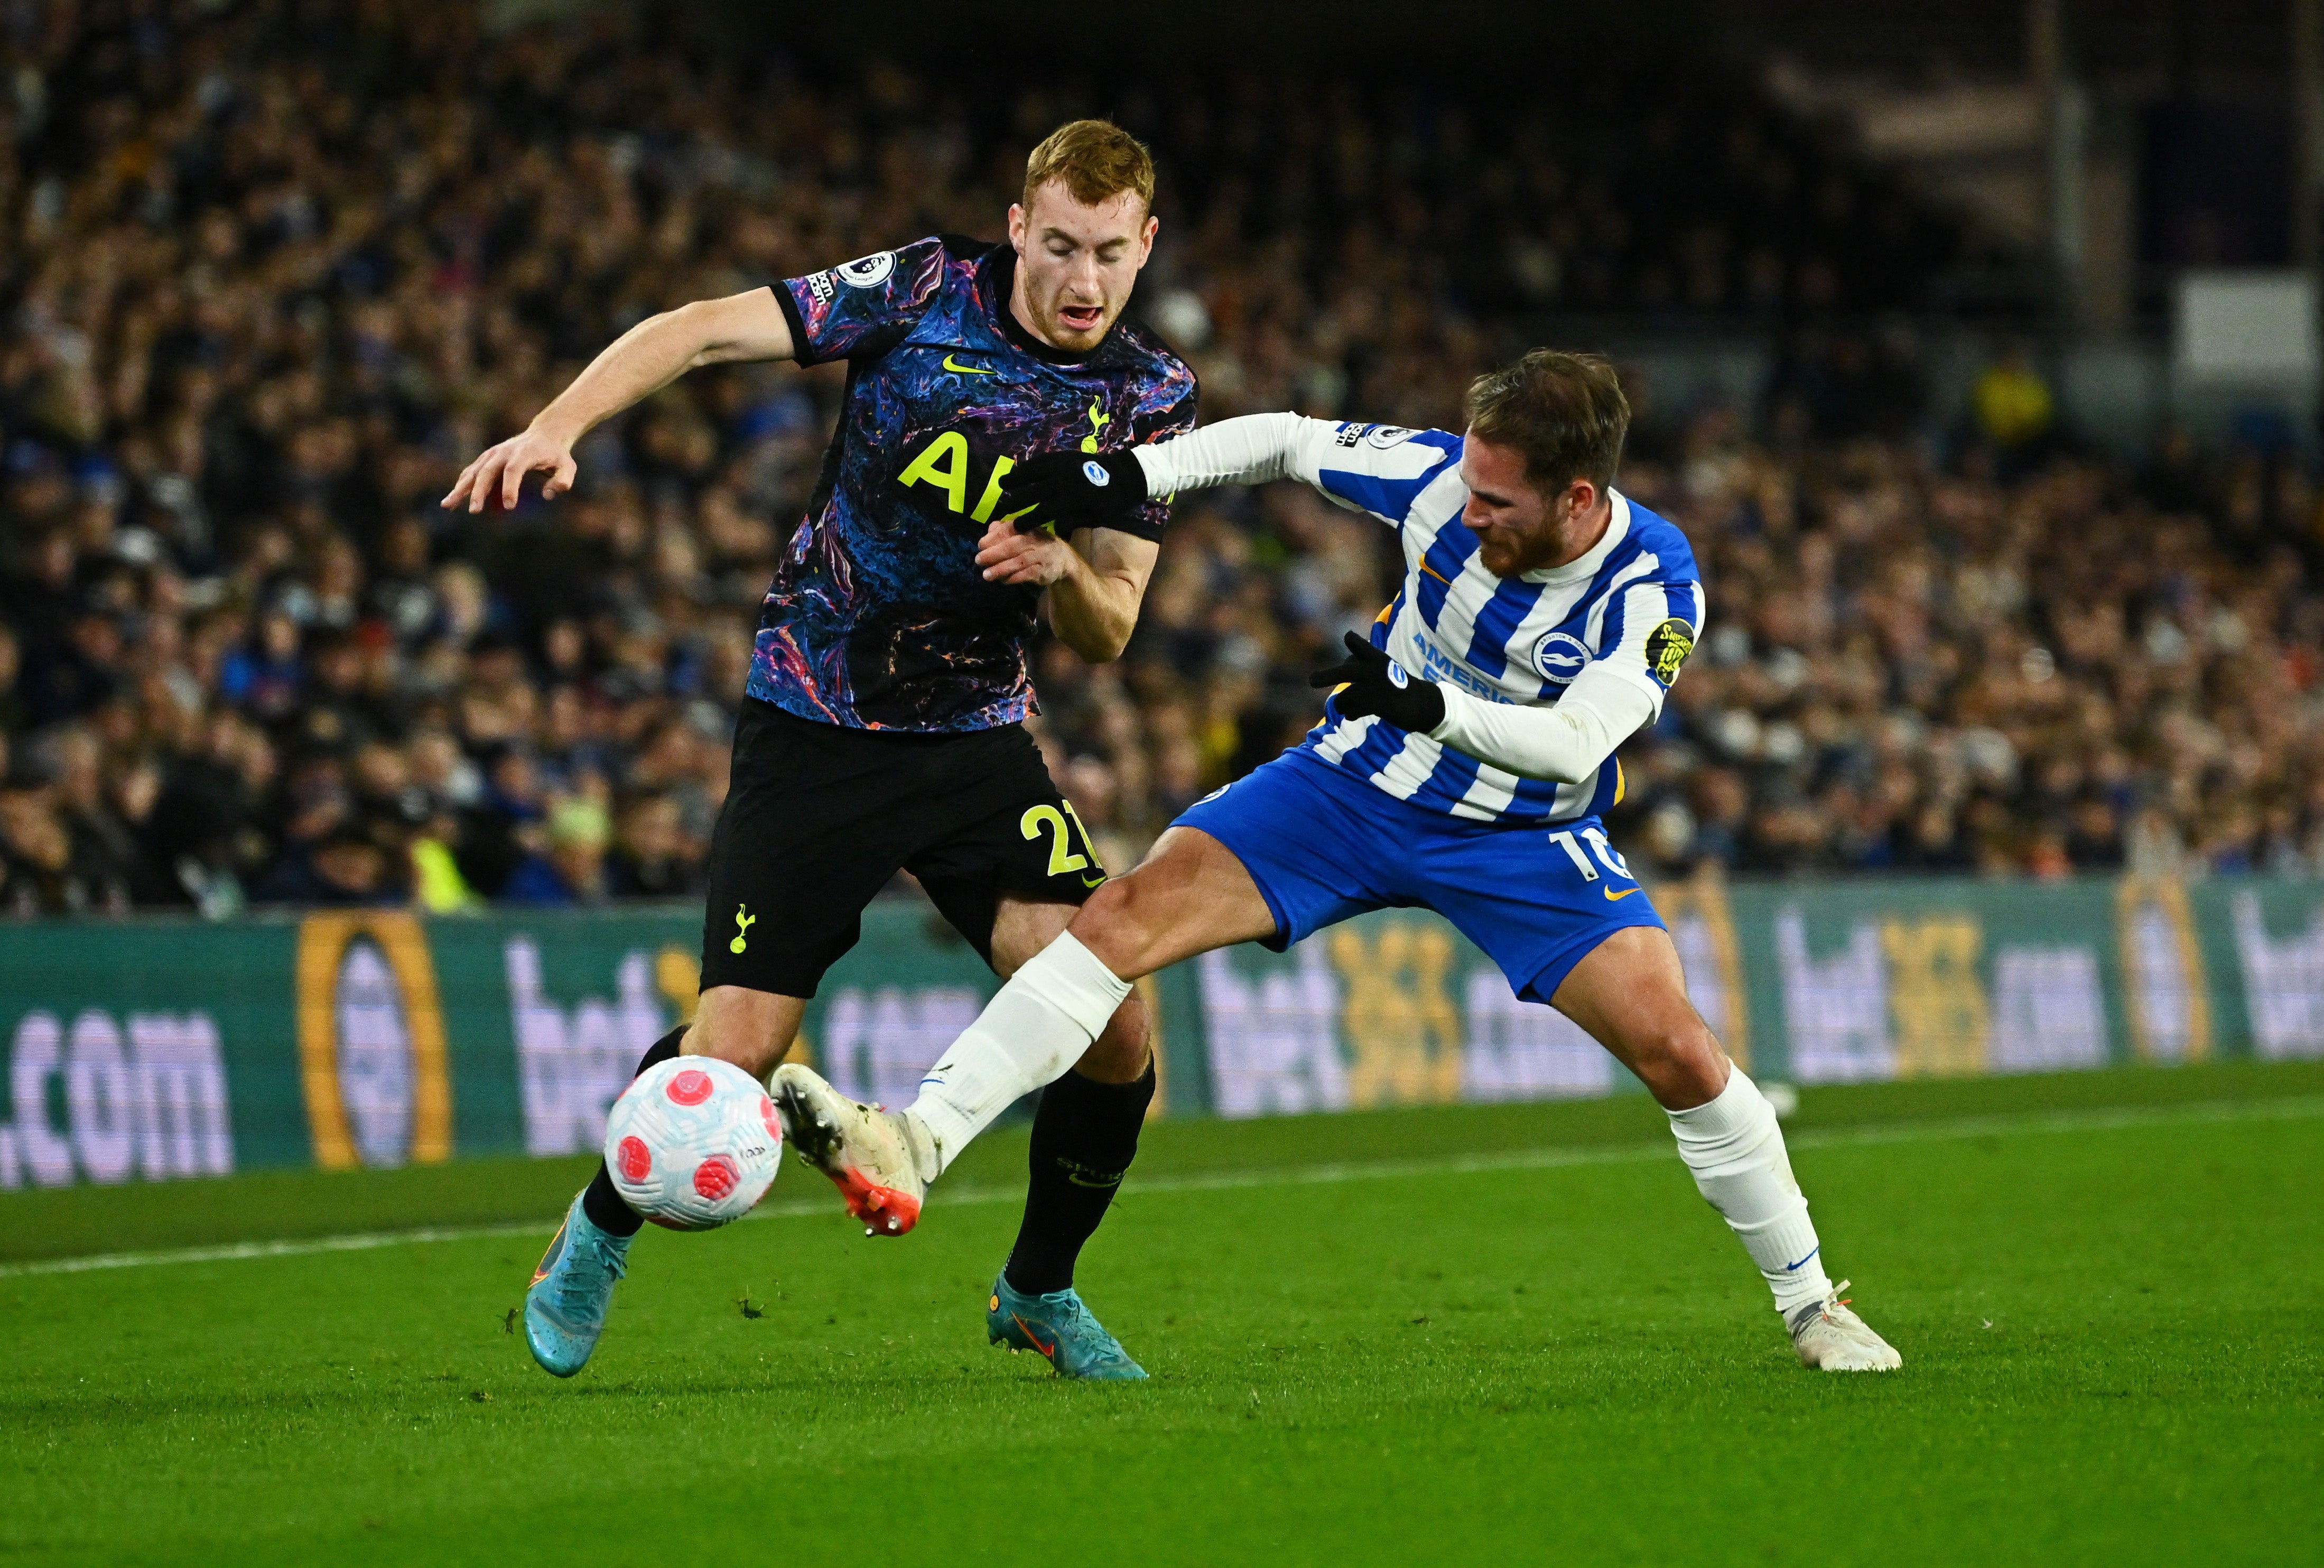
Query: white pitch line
2098	1119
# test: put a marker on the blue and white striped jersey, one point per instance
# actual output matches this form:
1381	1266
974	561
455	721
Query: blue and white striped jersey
1633	604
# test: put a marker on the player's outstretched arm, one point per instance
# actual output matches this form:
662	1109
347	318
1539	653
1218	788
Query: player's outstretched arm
1071	488
639	363
1095	590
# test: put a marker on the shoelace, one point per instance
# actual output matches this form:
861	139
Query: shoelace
1831	1307
1108	1348
1821	1311
579	1285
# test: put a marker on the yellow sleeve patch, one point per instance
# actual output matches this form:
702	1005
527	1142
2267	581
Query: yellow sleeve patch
1667	648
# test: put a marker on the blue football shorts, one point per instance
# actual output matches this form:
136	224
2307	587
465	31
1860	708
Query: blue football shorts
1324	844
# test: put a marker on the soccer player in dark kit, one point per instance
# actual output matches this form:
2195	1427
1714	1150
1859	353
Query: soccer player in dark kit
882	727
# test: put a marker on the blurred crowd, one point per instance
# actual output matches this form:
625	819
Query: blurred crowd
270	273
2072	668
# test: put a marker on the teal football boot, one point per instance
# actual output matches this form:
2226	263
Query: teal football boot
1059	1327
565	1310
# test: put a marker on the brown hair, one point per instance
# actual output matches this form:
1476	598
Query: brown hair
1096	160
1564	411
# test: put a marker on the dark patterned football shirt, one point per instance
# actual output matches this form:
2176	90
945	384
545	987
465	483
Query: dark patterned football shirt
878	617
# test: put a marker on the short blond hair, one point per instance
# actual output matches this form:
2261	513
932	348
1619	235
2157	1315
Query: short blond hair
1095	159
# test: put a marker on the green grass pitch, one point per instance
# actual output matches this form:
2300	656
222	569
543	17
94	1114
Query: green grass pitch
1517	1337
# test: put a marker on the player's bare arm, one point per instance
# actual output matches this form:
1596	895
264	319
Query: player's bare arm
635	366
1096	583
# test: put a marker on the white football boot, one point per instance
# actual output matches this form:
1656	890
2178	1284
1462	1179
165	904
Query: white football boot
1831	1338
880	1160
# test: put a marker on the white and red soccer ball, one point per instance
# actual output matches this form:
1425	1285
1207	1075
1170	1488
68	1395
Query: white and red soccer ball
693	1143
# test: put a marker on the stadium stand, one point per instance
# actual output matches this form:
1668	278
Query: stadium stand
271	272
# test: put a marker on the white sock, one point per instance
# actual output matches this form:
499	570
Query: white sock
1027	1035
1735	1151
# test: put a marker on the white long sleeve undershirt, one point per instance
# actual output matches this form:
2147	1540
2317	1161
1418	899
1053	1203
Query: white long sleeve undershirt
1600	710
1250	450
1603	708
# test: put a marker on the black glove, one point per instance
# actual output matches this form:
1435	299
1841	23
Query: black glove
1075	489
1378	684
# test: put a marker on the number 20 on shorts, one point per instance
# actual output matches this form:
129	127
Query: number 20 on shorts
1062	856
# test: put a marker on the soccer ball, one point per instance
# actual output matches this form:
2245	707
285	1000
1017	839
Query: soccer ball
693	1143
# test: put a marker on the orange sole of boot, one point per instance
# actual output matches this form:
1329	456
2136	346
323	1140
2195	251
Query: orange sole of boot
884	1210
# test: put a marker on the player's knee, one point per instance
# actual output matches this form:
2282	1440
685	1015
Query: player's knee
1115	924
1119	1056
1680	1064
745	1031
753	1056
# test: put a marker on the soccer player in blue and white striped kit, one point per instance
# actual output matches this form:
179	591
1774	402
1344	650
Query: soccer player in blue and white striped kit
1461	764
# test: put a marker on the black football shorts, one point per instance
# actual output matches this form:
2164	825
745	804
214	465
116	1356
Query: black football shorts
818	817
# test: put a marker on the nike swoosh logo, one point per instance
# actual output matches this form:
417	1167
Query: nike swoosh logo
1614	897
1803	1263
556	1242
1049	1349
953	365
1092	882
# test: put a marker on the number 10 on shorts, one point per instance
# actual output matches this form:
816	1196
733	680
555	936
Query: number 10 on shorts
1607	856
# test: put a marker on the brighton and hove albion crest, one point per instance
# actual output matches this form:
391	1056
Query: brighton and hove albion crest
1559	656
